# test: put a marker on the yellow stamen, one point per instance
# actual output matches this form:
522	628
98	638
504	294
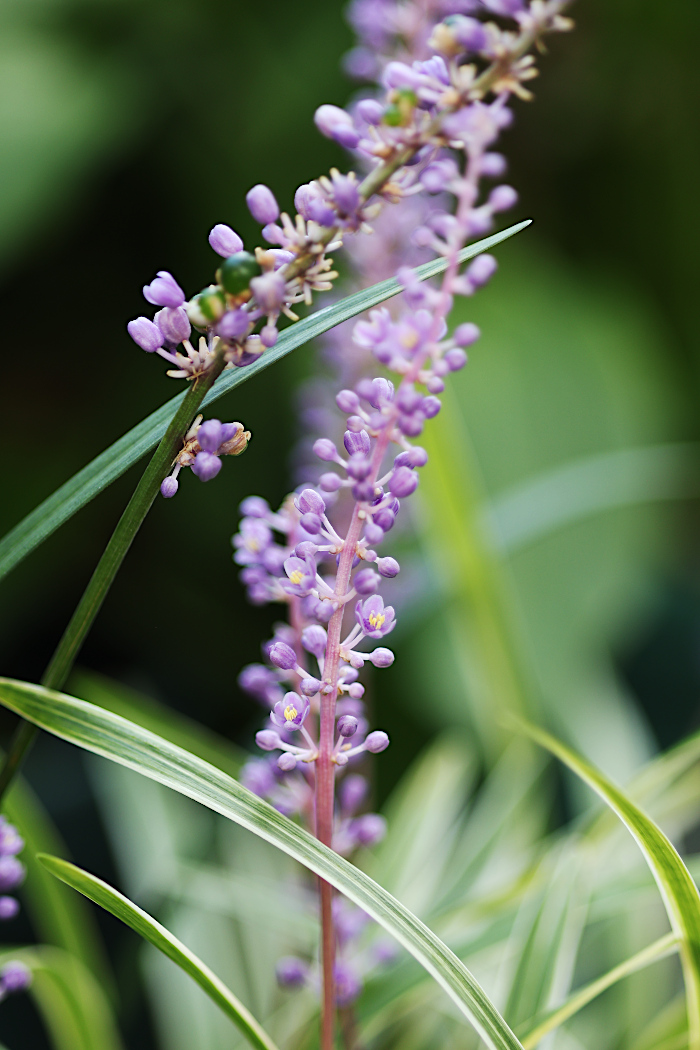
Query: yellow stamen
296	577
290	712
376	620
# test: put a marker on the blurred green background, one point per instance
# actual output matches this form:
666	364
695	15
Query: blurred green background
127	129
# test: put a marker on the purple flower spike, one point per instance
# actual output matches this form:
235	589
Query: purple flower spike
174	324
145	334
282	655
164	291
168	487
206	466
210	435
290	712
262	204
376	742
374	617
225	241
15	977
335	123
291	972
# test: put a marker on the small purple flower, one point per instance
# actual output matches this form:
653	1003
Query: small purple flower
233	324
206	466
11	842
262	204
376	742
282	655
164	291
145	334
225	241
290	712
301	574
374	617
210	435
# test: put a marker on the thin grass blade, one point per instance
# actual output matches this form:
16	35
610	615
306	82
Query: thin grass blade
675	883
161	938
130	745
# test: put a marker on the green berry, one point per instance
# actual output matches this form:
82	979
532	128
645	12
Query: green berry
236	272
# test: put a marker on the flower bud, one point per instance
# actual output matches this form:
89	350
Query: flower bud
309	502
381	657
347	725
412	457
11	873
466	334
225	241
376	742
366	581
237	272
311	523
291	972
267	739
502	198
330	482
210	435
493	165
370	110
9	907
269	291
287	762
359	467
168	487
206	466
233	324
369	829
374	533
208	306
262	204
145	334
430	406
174	324
356	442
340	758
325	449
310	686
269	335
347	401
335	123
164	291
388	567
481	269
356	690
403	482
314	640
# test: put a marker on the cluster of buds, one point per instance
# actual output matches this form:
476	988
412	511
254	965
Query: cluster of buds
202	448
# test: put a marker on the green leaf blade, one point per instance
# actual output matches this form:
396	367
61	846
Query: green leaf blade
676	886
40	523
128	744
161	938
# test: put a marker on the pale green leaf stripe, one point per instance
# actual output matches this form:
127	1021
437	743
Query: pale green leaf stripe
679	892
660	949
577	490
111	464
147	927
128	744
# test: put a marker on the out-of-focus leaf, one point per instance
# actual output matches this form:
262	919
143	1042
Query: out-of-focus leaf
659	950
147	927
577	490
678	891
112	463
128	744
71	1002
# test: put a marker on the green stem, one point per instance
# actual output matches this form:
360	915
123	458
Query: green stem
109	564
